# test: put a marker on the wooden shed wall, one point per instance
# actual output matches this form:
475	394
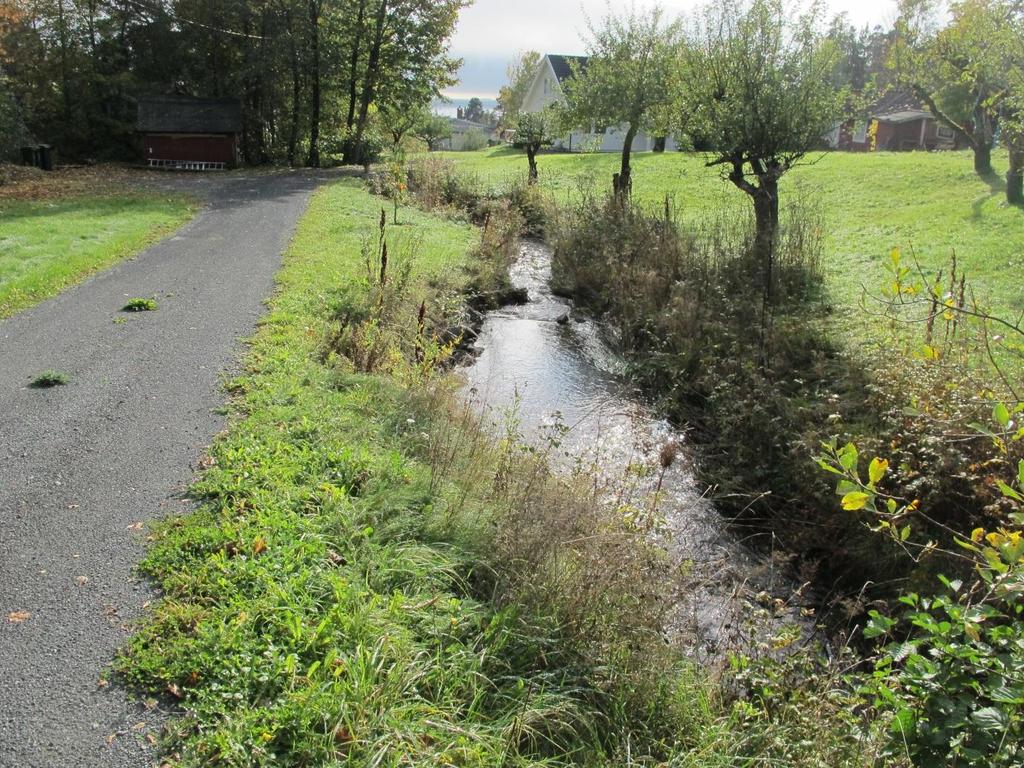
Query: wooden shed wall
204	148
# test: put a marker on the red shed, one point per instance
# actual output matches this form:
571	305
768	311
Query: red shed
188	133
897	122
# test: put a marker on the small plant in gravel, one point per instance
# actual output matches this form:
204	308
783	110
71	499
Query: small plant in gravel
138	304
48	379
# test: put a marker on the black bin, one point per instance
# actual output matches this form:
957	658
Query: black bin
38	156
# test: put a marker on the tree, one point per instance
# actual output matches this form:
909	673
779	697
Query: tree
959	71
756	86
627	80
308	73
12	130
406	40
1013	134
520	72
533	131
433	129
474	111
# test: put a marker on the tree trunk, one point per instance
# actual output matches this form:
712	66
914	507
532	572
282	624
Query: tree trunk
1015	178
353	69
622	182
65	80
369	84
293	129
531	157
314	112
982	157
766	222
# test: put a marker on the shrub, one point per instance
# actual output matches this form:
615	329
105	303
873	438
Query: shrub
951	671
473	140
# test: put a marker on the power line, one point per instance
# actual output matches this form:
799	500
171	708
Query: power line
182	20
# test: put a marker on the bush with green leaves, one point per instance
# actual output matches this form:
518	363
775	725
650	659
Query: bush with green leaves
951	665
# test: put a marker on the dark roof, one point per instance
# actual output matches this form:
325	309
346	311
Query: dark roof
458	124
563	65
895	101
185	114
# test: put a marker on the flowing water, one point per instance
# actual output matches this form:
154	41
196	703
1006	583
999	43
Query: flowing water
551	370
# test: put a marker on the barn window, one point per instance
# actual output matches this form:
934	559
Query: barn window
860	131
944	132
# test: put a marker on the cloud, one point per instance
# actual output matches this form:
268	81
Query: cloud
502	27
491	32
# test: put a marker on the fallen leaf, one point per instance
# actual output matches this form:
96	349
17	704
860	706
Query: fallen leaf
258	546
81	580
101	683
135	527
16	617
175	690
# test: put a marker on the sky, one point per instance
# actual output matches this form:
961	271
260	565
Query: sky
491	32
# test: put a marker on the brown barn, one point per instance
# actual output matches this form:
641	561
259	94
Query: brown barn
895	122
187	133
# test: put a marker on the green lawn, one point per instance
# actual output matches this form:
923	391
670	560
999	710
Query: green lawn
932	203
49	245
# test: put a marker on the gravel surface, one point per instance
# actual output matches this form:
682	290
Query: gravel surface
83	466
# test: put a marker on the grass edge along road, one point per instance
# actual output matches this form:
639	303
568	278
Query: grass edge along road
367	580
47	246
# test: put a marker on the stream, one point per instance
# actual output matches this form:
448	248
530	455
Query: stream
548	365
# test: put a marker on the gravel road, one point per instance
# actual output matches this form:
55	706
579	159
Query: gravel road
82	465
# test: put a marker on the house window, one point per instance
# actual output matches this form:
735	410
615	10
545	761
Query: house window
547	85
860	131
944	132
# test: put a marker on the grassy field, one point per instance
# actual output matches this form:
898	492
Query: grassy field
932	203
338	599
49	245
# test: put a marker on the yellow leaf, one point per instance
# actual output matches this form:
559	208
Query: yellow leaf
855	500
977	534
877	469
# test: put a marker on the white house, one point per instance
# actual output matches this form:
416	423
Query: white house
552	73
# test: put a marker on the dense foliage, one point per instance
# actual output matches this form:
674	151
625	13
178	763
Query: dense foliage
311	76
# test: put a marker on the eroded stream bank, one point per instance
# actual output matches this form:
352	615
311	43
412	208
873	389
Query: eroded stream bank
544	370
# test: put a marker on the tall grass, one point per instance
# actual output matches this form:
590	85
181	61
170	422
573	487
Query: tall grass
368	580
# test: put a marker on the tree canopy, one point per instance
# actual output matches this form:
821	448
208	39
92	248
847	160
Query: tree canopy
520	75
960	70
628	79
310	74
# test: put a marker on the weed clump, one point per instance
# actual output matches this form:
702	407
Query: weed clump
140	305
48	379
